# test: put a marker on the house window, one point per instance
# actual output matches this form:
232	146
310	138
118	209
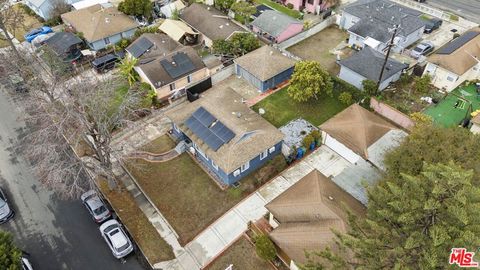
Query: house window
264	154
245	166
450	79
214	165
271	150
236	173
189	78
106	40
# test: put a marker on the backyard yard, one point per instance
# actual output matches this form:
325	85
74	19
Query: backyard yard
280	109
18	28
318	47
242	256
188	198
279	7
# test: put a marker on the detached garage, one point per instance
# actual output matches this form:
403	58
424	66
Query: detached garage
265	68
355	134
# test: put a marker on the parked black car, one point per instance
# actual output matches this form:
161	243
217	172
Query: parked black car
432	25
105	63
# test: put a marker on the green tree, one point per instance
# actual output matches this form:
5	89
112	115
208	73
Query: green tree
224	5
9	254
136	8
127	71
244	9
175	15
421	119
422	84
346	98
369	87
309	80
414	221
265	248
238	45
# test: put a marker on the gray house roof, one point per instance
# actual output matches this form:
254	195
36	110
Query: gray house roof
368	63
274	22
376	16
61	42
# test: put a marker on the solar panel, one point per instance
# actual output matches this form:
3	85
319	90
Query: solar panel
457	43
194	125
181	64
223	132
213	142
204	116
139	47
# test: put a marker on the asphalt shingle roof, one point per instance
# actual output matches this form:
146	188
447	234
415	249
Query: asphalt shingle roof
274	22
368	63
61	42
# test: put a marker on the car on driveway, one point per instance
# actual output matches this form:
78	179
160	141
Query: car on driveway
421	49
116	238
37	32
26	265
6	212
431	25
97	208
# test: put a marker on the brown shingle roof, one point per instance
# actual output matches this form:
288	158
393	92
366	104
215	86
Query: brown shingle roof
209	21
460	60
162	45
225	104
357	128
97	22
308	212
265	62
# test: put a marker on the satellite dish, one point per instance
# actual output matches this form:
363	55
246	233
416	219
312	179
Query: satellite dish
261	111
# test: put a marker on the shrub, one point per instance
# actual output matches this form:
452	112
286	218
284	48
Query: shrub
422	84
345	98
307	141
369	87
454	17
317	136
140	31
405	79
421	119
290	5
122	44
265	248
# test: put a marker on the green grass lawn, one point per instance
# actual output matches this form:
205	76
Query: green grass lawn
281	109
290	12
187	196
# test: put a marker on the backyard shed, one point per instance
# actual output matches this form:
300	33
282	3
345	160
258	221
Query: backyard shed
265	68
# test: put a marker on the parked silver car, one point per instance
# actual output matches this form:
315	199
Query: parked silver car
116	238
421	49
95	206
6	212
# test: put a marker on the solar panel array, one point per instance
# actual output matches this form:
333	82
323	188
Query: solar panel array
457	43
211	131
181	65
139	47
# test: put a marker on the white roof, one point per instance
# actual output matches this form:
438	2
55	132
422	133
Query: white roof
88	3
175	29
169	8
373	43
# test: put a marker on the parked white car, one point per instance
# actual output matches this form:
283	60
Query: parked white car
95	206
116	238
421	49
6	212
26	265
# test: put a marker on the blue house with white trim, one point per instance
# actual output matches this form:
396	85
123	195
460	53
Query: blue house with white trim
265	68
228	138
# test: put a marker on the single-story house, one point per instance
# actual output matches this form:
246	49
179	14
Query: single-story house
44	8
179	31
170	74
65	45
265	68
367	65
356	133
456	62
210	22
150	45
169	9
100	25
475	128
310	6
305	215
276	26
369	23
229	139
88	3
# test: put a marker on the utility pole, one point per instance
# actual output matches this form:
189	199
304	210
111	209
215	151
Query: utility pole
389	48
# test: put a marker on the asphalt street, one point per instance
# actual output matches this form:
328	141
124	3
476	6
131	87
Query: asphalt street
468	9
59	234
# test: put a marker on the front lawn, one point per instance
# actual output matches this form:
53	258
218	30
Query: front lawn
187	196
290	12
281	109
242	255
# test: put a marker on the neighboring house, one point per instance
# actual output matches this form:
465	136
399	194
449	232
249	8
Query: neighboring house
170	74
475	128
356	133
456	62
169	9
179	31
265	68
229	139
44	8
305	216
367	65
210	22
65	45
150	45
310	6
101	26
88	3
369	23
276	26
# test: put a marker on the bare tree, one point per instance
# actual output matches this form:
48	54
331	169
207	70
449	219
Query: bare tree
10	19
